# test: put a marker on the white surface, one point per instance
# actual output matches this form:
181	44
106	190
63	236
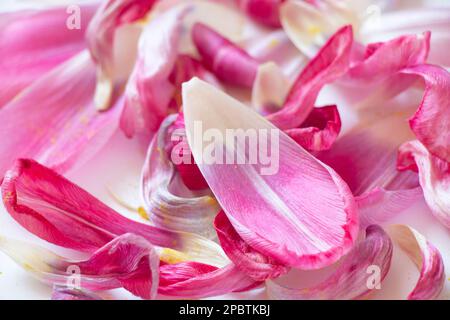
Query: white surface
119	165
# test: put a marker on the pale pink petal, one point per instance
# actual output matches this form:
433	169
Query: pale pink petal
54	120
434	177
27	55
330	63
64	293
351	279
308	232
254	264
427	259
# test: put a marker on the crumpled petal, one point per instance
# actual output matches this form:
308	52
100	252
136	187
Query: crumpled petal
54	120
320	129
25	56
427	259
172	205
56	210
265	12
434	177
351	279
110	16
127	261
254	264
431	121
63	293
226	60
308	232
330	63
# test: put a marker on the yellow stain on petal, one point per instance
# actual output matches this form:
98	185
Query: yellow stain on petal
28	267
171	256
314	30
142	213
273	43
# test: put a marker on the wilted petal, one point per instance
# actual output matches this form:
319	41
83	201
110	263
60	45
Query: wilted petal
351	278
308	232
63	293
427	259
263	11
228	62
331	62
27	55
53	208
434	177
320	129
431	122
110	16
54	120
254	264
127	261
172	205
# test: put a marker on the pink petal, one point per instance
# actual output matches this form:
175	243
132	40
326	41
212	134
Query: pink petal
434	177
26	56
54	120
149	90
308	232
330	63
62	293
101	32
351	278
254	264
427	259
226	60
263	11
320	129
431	122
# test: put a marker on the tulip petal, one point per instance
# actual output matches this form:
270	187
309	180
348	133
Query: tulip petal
351	278
127	261
54	209
432	119
26	56
308	233
320	129
62	293
331	62
54	121
100	37
171	204
254	264
427	259
434	177
225	59
263	11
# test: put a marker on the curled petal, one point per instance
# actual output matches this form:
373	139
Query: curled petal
263	11
54	120
101	33
26	57
330	63
320	129
427	259
254	264
172	205
434	177
431	121
352	278
226	60
53	208
128	261
308	232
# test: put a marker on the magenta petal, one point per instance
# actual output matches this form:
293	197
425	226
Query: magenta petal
330	63
434	177
350	279
53	208
54	120
254	264
427	259
320	129
27	55
263	11
228	62
431	122
308	232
